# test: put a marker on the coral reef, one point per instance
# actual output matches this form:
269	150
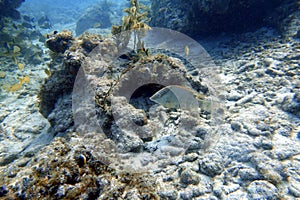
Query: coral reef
55	94
59	172
115	143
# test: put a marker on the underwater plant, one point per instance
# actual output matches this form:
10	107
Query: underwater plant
136	21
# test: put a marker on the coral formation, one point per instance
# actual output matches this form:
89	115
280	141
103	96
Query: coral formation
58	172
69	54
59	42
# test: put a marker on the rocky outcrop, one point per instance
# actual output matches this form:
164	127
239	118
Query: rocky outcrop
213	17
55	94
8	8
95	17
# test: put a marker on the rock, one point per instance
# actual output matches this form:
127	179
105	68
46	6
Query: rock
273	72
168	194
202	131
284	148
254	131
291	103
285	131
188	177
59	42
248	174
60	192
132	194
238	194
64	71
237	147
270	169
9	8
220	16
263	142
246	99
247	67
59	83
191	192
230	188
236	126
294	188
233	95
3	191
97	16
262	190
211	164
7	159
191	157
61	117
267	144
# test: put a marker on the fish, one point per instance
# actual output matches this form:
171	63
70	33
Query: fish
21	66
48	72
180	97
16	49
97	25
176	96
187	50
18	86
2	74
15	87
25	79
27	18
27	25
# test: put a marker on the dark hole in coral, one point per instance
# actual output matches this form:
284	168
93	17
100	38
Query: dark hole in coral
140	98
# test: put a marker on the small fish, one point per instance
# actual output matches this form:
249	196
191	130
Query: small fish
176	96
25	79
18	86
97	25
48	72
27	18
27	25
187	50
21	66
16	49
15	87
2	74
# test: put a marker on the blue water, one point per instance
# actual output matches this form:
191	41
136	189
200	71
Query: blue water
62	14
